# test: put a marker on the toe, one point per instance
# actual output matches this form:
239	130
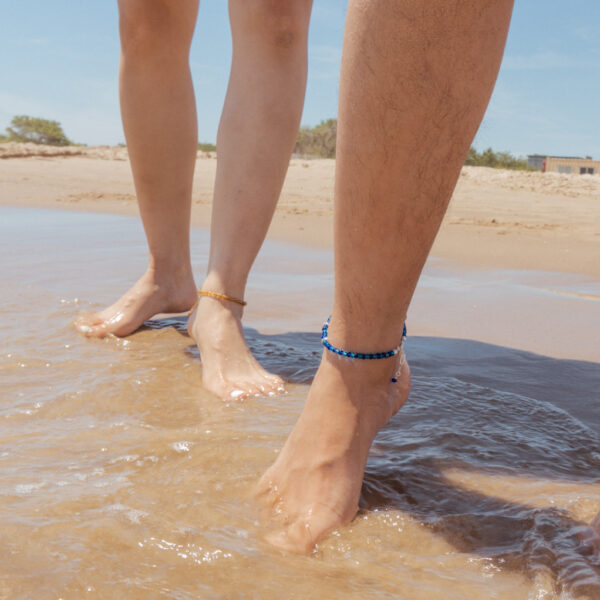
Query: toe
86	321
261	490
84	328
272	383
266	495
268	385
245	389
296	539
98	331
236	393
304	533
97	325
95	328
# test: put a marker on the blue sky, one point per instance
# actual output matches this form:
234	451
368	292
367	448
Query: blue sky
59	58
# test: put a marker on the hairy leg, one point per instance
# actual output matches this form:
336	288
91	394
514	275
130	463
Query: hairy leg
159	119
256	137
416	79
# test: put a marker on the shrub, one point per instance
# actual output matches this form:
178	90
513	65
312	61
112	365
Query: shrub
36	130
496	160
205	147
318	141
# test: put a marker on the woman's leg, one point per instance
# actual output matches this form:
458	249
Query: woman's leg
256	137
159	118
416	79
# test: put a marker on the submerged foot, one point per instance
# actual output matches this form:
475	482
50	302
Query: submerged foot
228	368
152	294
314	485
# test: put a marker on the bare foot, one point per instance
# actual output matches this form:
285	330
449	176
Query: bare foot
228	368
152	294
314	485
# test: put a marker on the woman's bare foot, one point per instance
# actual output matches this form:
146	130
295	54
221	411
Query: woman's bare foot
314	485
153	293
228	368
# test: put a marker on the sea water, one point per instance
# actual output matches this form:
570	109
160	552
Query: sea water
120	477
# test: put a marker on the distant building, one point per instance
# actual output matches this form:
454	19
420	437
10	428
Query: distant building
536	161
564	164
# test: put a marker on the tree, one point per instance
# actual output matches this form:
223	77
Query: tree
36	130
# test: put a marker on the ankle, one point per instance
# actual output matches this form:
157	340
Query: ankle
214	311
167	271
234	287
359	390
357	374
366	344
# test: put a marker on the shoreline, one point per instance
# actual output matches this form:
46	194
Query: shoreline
515	263
496	219
543	313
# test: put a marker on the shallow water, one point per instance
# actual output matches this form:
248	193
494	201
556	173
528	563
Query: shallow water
121	478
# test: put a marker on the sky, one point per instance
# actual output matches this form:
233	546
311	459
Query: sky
59	60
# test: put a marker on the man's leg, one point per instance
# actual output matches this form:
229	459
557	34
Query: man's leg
416	79
159	118
256	137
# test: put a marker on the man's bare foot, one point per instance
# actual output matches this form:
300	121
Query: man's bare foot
314	485
228	368
152	294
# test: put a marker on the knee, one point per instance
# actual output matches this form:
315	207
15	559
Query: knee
151	30
279	24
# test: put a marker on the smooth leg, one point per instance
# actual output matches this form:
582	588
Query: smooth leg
416	79
256	137
159	119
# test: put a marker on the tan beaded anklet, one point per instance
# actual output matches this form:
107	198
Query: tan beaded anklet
217	296
224	297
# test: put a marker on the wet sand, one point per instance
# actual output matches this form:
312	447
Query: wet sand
122	478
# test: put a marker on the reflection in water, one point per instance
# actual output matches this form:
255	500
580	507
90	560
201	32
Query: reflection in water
122	478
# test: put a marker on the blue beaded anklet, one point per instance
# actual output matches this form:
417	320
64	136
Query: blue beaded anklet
366	355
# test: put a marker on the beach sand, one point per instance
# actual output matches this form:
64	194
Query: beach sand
121	477
497	218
